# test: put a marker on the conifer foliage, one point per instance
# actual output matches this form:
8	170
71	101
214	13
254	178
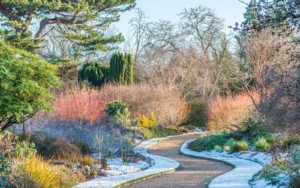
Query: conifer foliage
120	71
93	73
78	21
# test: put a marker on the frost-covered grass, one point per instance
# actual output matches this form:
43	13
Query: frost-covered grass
281	166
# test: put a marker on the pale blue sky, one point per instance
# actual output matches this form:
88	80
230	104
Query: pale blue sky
230	10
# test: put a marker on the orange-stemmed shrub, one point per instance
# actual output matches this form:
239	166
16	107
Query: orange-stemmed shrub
80	105
89	104
222	112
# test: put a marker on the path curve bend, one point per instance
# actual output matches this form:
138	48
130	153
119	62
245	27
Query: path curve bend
193	172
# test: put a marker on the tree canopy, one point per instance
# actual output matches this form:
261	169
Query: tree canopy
80	21
25	83
279	14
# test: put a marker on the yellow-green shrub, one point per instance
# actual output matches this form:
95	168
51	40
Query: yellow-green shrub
41	172
145	122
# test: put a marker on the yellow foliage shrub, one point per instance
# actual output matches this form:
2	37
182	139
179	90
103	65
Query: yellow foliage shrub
145	122
41	171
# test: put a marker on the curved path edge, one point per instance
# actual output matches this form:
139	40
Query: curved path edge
161	165
239	177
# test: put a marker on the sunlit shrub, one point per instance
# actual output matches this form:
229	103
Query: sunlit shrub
22	150
261	144
240	146
167	104
86	160
41	171
229	144
79	105
143	121
222	112
118	112
208	142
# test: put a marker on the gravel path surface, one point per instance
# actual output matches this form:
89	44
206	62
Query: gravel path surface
194	172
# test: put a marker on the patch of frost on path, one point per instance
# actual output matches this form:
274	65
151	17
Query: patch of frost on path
237	178
161	165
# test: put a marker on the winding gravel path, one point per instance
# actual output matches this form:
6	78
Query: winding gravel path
194	172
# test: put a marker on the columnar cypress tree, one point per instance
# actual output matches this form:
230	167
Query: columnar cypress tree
94	73
121	69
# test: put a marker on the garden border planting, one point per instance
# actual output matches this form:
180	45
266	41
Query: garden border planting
239	177
161	165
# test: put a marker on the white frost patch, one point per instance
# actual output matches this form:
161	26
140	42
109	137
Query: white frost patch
117	167
161	164
237	178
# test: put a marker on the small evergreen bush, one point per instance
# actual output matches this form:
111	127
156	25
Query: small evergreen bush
240	146
261	144
208	142
229	144
118	112
145	122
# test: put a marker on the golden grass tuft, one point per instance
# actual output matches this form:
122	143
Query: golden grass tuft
41	171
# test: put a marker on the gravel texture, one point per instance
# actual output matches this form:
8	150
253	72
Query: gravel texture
193	172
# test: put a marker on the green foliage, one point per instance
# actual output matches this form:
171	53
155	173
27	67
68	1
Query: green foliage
55	148
291	141
121	69
114	107
24	181
197	113
5	171
262	145
218	148
294	166
81	20
22	41
237	140
249	129
295	181
118	112
228	146
240	146
25	83
94	74
273	171
157	132
83	146
22	150
208	142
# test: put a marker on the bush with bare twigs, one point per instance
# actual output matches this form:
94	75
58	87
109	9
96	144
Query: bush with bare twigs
167	104
222	112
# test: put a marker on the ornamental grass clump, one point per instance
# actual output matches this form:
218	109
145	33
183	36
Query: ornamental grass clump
41	171
261	144
240	146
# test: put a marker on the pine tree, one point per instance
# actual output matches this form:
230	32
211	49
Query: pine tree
79	21
251	15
